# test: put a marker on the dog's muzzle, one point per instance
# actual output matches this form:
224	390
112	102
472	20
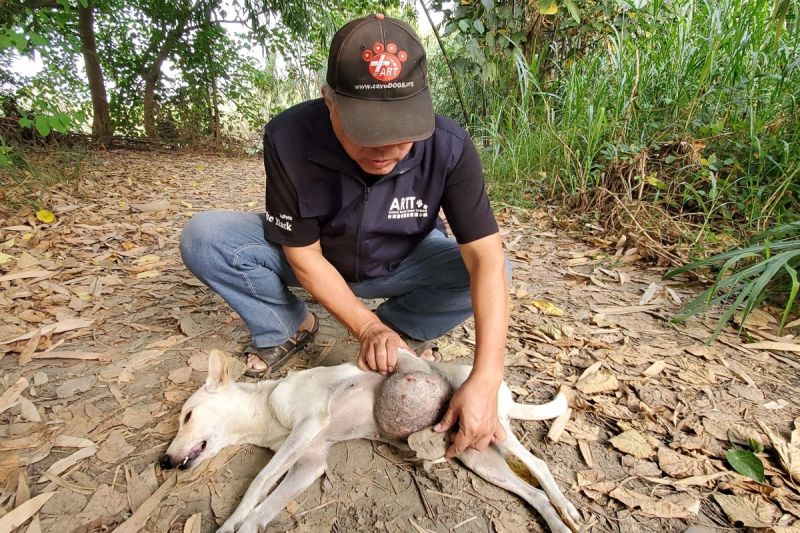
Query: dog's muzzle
167	462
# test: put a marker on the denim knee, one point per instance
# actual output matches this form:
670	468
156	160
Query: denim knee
197	239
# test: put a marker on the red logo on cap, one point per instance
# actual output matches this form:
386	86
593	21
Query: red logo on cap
384	64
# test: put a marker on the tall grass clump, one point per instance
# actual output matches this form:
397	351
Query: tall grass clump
687	106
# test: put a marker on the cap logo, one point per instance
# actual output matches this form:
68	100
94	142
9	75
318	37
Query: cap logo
384	64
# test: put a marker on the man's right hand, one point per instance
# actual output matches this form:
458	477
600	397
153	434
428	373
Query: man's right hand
379	344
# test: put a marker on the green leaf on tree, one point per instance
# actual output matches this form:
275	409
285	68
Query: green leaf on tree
573	10
25	122
43	125
548	7
746	463
479	27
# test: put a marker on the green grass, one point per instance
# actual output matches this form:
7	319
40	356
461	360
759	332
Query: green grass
692	105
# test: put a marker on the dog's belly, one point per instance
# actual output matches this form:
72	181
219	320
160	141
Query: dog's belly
352	407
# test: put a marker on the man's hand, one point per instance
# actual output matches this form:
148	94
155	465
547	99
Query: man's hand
379	344
474	407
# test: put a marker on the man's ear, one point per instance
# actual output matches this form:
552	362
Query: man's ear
217	371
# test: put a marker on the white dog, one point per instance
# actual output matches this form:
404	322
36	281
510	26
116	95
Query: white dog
300	416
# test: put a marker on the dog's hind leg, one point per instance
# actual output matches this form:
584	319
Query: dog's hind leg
540	470
491	466
299	477
290	451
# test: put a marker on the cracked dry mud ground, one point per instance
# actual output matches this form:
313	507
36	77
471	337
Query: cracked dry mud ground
105	333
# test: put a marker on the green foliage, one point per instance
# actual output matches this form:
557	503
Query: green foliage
689	105
746	463
766	267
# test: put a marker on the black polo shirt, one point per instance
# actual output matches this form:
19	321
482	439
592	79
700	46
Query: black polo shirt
316	192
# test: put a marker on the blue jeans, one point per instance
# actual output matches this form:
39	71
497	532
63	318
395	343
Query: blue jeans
426	296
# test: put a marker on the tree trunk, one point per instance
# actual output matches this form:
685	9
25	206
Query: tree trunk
215	108
152	75
101	122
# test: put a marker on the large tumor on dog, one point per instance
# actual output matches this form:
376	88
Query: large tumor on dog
411	401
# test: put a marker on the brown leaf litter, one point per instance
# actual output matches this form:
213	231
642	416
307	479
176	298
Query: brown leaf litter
105	334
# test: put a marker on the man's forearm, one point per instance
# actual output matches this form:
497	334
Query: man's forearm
486	264
324	283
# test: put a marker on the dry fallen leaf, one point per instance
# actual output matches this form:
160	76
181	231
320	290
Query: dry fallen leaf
21	514
193	523
629	497
678	465
673	506
749	511
547	308
115	448
601	380
789	454
180	375
634	443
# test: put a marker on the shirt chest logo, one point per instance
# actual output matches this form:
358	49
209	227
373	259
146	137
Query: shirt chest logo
407	207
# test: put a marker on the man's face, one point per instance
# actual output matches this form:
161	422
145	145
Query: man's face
379	160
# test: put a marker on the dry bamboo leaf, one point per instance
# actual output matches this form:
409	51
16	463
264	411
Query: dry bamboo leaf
649	293
26	354
103	357
199	362
22	513
557	428
153	207
748	511
11	396
624	309
62	464
633	443
601	380
774	345
140	517
35	526
28	410
193	523
654	369
23	492
65	441
586	452
788	454
707	480
9	463
25	274
673	506
49	329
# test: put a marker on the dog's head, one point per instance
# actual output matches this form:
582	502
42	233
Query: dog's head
204	427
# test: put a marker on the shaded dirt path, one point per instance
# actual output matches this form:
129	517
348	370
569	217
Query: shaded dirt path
104	334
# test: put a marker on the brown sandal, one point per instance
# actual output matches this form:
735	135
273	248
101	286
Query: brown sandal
275	357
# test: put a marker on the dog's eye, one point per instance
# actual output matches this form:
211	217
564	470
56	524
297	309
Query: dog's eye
187	417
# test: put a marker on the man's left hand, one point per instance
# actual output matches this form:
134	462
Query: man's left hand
474	407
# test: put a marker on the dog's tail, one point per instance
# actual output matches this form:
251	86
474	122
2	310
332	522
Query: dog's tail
552	409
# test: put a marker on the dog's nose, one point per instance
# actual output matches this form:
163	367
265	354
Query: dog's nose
165	462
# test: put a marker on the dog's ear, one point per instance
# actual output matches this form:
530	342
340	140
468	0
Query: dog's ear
217	371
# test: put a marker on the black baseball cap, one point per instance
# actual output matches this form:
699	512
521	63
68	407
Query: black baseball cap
377	68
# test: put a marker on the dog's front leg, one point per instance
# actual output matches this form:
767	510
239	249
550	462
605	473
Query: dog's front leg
540	470
295	446
308	468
